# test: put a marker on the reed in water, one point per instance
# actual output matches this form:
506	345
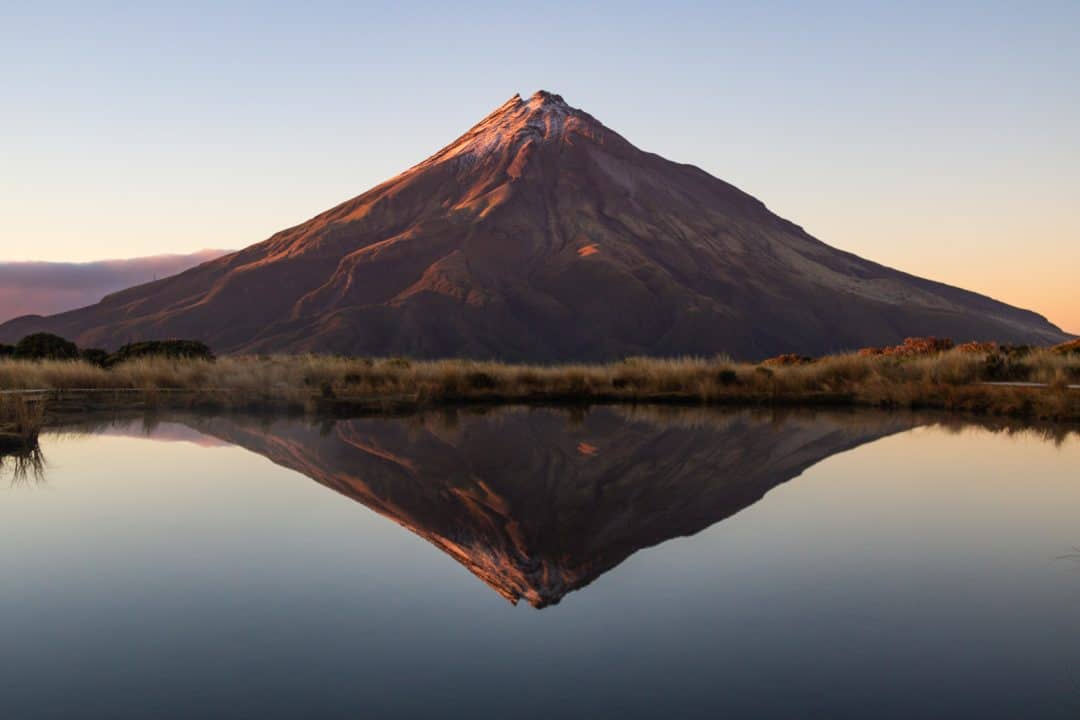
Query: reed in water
21	420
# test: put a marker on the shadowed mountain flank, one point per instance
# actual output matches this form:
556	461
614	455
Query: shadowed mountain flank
542	235
538	503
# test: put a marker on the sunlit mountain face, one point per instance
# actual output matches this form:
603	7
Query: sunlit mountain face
538	503
541	234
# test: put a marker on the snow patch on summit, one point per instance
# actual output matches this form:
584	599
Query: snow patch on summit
544	117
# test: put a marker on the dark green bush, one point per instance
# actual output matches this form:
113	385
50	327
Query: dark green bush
94	356
6	350
46	346
727	376
479	380
1017	351
187	349
1004	368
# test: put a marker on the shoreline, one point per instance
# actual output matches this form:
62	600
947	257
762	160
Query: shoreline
1001	400
1035	385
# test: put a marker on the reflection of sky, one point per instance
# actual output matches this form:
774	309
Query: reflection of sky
161	432
939	138
910	575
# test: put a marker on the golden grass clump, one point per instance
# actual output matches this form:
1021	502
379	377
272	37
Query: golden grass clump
1067	348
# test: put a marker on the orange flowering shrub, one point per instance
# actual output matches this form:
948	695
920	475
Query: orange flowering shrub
788	359
912	347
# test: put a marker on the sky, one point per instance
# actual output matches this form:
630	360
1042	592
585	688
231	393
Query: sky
939	138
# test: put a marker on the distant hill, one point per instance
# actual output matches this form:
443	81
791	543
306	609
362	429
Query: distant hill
541	234
44	288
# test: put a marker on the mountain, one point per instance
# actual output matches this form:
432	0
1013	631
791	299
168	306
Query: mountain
538	503
540	234
52	287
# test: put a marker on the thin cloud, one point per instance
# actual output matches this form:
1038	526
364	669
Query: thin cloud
45	288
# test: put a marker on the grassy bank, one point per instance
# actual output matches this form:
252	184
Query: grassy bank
953	380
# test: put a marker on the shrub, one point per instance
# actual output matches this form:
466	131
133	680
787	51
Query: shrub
6	350
1004	368
46	346
994	368
912	347
727	376
480	380
787	359
188	349
1018	351
94	356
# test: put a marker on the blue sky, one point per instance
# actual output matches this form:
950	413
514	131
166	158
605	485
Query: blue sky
940	138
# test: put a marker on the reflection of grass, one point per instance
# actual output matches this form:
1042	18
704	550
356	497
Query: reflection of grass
26	468
949	380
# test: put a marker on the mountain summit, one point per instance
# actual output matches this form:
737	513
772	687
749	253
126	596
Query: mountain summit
540	234
544	117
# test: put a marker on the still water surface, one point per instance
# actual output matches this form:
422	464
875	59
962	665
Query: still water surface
537	563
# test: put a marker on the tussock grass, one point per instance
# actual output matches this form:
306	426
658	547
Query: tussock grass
21	420
951	380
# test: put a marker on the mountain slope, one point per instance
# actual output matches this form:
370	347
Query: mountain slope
541	234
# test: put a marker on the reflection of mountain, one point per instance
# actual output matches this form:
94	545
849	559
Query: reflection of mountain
536	503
